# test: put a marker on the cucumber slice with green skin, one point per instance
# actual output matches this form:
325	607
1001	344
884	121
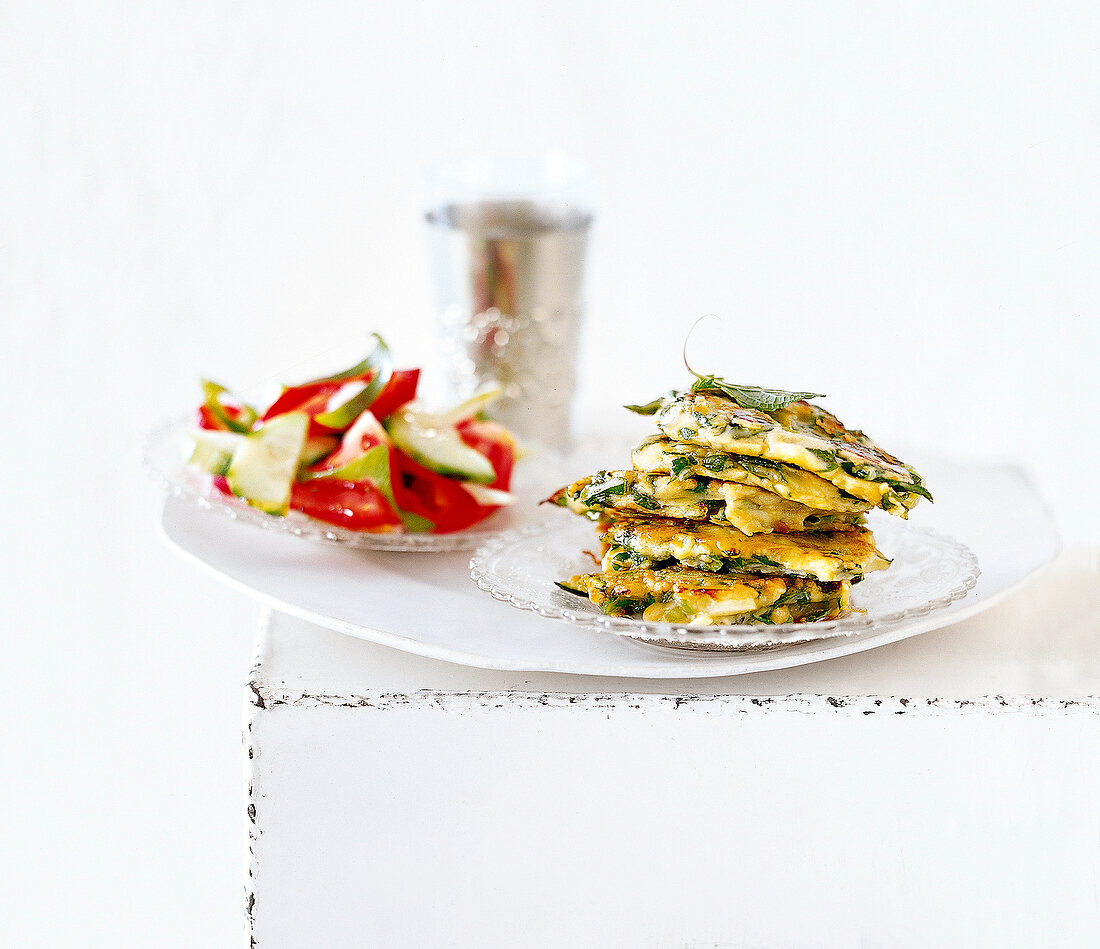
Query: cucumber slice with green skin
478	402
381	350
347	410
266	461
213	450
431	440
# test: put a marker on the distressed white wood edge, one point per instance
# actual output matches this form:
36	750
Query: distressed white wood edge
254	703
266	700
263	697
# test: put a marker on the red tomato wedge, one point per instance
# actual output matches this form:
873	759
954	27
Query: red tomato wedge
400	389
313	398
440	499
495	442
356	505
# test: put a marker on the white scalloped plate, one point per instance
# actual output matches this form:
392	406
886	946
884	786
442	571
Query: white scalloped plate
930	572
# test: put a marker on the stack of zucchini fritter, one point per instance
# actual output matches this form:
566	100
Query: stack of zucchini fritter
746	507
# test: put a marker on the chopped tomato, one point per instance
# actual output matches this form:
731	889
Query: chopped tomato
365	433
400	389
440	499
313	398
495	442
357	505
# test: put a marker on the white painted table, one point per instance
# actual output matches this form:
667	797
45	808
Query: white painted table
939	791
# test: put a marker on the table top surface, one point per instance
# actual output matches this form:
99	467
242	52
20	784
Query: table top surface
1041	643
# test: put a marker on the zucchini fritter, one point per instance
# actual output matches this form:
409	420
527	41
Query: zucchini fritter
750	509
631	543
680	595
799	434
660	454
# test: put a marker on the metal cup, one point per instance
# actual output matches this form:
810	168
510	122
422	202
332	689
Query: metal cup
507	240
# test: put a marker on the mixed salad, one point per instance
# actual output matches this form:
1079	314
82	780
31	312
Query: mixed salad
357	450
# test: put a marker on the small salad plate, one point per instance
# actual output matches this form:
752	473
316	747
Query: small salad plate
353	458
166	450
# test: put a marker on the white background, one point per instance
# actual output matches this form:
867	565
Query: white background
895	204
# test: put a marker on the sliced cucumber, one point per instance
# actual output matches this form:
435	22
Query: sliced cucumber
213	450
380	352
431	440
350	404
478	402
264	465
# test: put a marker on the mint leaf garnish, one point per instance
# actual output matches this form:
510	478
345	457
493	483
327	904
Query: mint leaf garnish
751	397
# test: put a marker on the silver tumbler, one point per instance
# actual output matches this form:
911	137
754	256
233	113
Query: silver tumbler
507	240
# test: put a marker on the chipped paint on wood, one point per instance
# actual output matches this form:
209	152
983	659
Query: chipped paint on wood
812	704
255	704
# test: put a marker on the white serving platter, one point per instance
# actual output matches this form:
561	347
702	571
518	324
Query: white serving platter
427	604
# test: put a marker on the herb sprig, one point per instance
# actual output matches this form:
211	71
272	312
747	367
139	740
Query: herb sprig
751	397
748	397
